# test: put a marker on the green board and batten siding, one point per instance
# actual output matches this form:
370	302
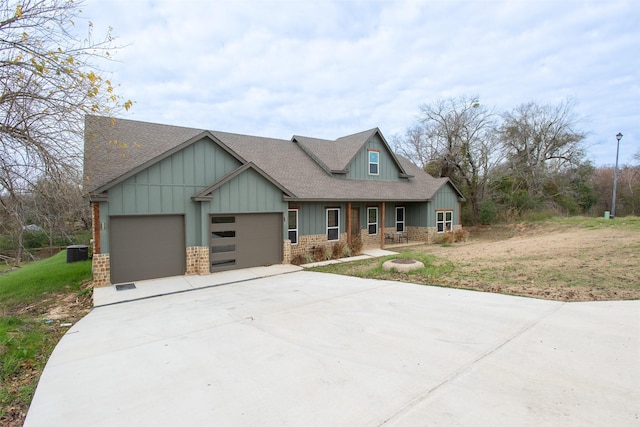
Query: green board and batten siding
359	166
445	199
312	217
166	187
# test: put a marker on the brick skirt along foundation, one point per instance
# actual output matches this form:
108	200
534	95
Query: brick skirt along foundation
307	243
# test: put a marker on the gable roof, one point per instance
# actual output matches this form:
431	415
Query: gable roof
206	194
335	156
116	149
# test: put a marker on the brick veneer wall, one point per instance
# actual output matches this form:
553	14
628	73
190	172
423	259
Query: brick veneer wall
369	240
101	270
307	243
286	251
425	234
198	260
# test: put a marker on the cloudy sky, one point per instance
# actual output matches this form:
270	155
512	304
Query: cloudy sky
326	68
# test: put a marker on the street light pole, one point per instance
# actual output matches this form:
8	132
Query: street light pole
615	178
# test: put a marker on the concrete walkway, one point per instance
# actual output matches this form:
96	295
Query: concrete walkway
315	349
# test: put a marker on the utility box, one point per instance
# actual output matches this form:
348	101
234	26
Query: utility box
606	214
77	253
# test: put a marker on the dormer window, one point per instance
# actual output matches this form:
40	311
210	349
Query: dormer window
374	162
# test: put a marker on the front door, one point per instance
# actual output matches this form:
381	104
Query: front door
355	221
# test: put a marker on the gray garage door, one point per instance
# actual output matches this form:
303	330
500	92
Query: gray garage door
247	240
146	247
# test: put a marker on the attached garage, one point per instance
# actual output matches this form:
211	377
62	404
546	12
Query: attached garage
245	240
147	247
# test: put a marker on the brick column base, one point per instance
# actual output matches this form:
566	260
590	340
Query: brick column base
101	268
286	251
198	260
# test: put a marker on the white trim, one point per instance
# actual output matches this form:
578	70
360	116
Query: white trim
444	221
369	224
377	163
337	227
404	219
289	229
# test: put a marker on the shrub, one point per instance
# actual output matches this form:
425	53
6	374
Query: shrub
356	245
317	252
346	251
488	212
460	235
442	238
337	250
298	260
327	253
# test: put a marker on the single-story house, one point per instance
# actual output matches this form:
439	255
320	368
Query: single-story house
171	200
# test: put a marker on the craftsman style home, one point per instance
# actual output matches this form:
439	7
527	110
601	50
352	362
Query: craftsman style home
170	200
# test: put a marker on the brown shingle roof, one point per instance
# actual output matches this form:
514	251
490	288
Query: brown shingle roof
116	148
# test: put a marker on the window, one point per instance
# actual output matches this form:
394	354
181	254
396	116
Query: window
293	226
400	219
444	221
333	224
372	220
374	162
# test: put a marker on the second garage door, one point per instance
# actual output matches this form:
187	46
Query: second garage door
245	240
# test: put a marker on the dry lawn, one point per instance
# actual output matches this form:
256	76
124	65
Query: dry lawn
566	261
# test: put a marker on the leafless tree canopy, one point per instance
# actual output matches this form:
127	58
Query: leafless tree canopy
455	138
541	139
49	79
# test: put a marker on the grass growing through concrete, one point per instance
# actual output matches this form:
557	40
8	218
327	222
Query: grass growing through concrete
36	301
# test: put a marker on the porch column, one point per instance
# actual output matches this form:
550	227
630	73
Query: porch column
382	226
349	223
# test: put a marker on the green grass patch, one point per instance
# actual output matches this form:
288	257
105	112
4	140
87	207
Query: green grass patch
434	268
27	338
32	282
631	223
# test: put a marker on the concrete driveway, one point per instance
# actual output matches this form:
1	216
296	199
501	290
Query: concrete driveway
312	349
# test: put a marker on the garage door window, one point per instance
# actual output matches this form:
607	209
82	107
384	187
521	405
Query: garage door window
333	224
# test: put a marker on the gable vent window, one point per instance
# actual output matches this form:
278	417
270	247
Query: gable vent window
374	162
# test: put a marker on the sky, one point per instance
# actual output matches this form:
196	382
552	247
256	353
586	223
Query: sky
327	68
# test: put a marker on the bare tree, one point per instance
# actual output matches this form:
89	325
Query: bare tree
49	79
455	138
541	140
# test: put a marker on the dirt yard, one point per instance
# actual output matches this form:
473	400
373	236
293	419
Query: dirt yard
548	260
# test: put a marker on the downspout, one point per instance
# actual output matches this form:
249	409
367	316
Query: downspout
349	239
382	226
96	227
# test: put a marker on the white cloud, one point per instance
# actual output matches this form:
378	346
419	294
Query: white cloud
328	68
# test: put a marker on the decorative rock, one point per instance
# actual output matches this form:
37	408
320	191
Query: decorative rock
402	265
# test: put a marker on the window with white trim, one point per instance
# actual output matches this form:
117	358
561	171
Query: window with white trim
400	219
333	224
372	220
444	221
374	162
293	226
